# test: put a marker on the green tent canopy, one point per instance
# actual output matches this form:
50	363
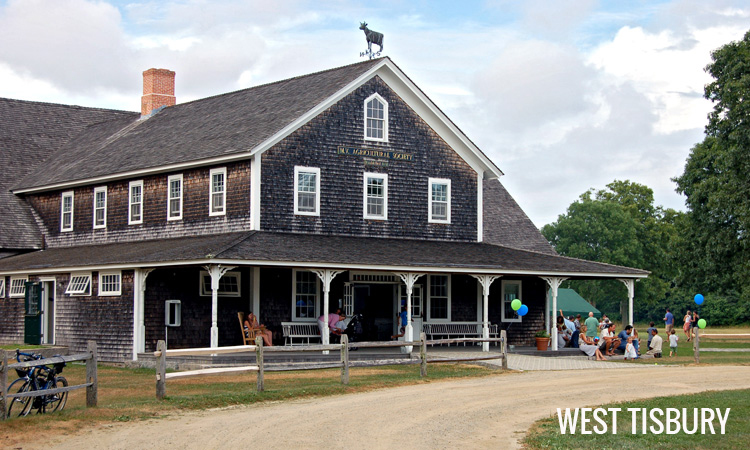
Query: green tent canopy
572	304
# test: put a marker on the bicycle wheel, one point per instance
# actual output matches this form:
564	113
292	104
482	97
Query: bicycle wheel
19	406
57	401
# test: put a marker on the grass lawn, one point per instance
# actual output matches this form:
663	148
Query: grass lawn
130	394
545	434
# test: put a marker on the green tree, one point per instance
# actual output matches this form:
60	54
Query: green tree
714	246
619	225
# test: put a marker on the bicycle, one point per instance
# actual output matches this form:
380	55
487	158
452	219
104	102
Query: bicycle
37	378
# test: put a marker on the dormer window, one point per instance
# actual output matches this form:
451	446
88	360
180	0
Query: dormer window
376	119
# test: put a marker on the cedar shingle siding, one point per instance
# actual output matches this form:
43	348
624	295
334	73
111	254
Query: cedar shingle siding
46	150
316	144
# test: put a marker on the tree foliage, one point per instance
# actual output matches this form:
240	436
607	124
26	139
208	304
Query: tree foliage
713	252
619	225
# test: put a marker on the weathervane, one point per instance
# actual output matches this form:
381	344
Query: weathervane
373	37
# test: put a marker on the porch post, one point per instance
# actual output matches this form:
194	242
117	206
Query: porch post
630	284
139	306
486	282
216	271
409	278
326	276
554	283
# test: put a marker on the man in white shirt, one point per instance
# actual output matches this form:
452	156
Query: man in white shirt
656	343
607	341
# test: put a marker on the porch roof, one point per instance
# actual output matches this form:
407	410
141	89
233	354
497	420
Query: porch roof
312	250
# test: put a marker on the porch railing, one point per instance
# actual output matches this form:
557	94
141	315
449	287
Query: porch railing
161	354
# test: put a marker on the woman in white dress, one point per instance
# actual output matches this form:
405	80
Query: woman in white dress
587	345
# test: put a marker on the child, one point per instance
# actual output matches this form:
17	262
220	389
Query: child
630	349
673	338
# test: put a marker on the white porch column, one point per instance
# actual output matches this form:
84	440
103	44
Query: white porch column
409	278
216	271
139	305
326	276
630	284
554	283
546	312
486	282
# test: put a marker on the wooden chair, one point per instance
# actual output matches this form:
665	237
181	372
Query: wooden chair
248	338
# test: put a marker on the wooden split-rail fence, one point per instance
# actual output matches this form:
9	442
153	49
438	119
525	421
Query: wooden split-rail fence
161	354
91	385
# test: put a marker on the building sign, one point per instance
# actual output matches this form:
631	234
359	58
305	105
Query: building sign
368	153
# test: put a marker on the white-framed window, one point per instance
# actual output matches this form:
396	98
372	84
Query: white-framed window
80	284
100	207
511	291
375	196
218	192
376	118
416	299
135	202
66	211
17	287
306	191
439	200
174	197
439	298
229	285
2	287
305	295
110	283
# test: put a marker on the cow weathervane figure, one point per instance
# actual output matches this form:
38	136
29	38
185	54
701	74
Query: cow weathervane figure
373	37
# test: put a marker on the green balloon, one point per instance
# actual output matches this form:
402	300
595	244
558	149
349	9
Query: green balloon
702	323
515	304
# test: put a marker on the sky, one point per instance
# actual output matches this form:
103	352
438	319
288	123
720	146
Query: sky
563	96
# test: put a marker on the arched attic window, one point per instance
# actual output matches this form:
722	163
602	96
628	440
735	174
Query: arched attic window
376	118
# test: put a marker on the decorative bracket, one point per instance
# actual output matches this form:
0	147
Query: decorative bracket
486	281
409	278
326	276
217	271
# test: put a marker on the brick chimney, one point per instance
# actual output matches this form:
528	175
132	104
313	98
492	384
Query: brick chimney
158	90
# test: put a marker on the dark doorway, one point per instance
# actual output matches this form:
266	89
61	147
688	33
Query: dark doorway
375	303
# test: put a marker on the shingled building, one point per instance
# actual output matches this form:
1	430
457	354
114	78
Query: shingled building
347	188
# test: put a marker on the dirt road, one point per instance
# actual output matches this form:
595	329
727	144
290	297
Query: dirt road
492	412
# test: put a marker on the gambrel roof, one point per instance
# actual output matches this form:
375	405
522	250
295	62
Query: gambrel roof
230	127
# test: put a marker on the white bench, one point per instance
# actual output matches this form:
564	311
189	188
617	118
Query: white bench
300	330
454	330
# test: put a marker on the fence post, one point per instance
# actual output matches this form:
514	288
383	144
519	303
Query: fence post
3	384
161	370
259	360
697	346
92	392
344	359
423	354
504	348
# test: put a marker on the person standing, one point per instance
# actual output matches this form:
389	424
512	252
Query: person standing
592	325
686	327
669	322
673	344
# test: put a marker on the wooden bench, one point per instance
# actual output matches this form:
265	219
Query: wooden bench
300	330
452	330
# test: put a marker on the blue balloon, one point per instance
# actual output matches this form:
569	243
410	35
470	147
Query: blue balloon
698	299
523	310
